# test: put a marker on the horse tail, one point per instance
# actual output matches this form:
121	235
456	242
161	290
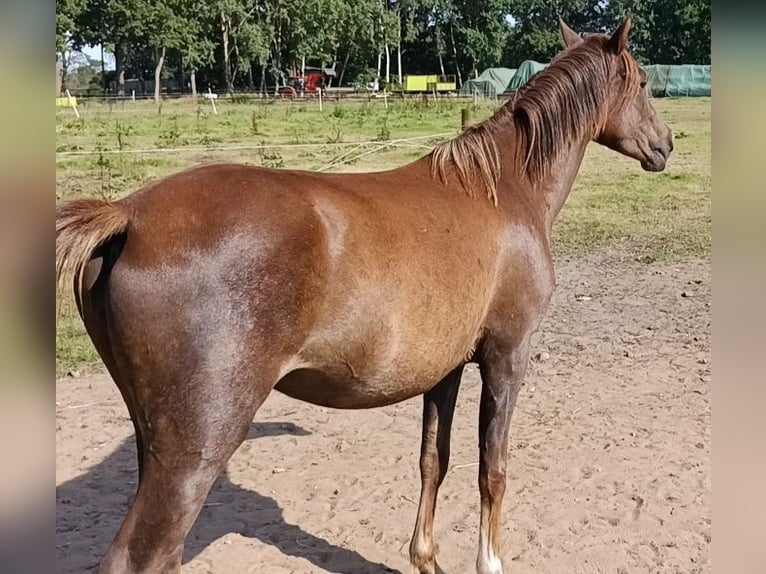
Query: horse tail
82	226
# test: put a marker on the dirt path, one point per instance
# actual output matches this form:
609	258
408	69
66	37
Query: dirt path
609	469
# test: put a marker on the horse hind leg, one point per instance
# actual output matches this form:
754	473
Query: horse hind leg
190	434
93	312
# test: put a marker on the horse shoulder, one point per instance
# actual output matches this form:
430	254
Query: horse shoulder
527	281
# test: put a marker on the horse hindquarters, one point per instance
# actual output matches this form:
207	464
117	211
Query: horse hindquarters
189	354
192	393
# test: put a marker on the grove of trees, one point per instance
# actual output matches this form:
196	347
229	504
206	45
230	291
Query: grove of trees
251	44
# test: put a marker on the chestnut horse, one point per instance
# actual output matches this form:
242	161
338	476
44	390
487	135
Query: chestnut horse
208	289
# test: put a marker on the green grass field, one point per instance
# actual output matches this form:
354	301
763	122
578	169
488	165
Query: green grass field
614	205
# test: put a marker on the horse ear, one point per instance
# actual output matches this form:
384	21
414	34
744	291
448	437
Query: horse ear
569	36
619	40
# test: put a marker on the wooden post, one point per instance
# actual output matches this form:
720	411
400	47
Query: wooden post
72	103
212	99
320	98
465	118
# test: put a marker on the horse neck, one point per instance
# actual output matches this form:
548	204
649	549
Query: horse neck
547	195
558	185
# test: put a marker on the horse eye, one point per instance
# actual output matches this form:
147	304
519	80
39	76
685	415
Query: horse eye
643	84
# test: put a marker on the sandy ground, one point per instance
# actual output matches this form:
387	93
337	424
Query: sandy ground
609	469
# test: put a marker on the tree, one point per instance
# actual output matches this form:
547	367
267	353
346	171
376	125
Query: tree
107	23
196	44
84	74
356	35
481	29
160	25
241	26
67	13
230	39
666	31
535	34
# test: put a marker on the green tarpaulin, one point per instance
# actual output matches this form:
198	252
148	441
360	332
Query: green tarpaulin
678	81
527	69
491	83
688	80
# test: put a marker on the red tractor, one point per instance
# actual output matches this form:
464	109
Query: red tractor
313	80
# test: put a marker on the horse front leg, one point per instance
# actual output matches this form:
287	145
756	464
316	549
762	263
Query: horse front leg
502	369
438	408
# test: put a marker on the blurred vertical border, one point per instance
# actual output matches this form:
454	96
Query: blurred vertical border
27	297
27	363
739	286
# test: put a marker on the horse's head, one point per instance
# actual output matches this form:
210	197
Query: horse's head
630	124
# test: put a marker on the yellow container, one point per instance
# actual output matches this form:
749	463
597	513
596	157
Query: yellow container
419	83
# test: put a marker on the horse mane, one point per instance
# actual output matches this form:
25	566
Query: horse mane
557	107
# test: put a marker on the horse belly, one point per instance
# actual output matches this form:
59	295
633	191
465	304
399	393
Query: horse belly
342	385
378	352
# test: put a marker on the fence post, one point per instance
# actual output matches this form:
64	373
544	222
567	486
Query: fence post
212	100
72	103
465	118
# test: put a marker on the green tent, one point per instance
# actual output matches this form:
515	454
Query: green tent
686	80
491	83
527	69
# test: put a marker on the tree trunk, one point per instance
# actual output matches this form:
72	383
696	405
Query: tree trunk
64	71
193	82
277	60
277	75
388	64
277	78
59	74
226	58
158	75
343	68
263	78
380	62
328	81
181	74
235	68
399	44
104	82
250	82
440	47
119	68
454	54
303	74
